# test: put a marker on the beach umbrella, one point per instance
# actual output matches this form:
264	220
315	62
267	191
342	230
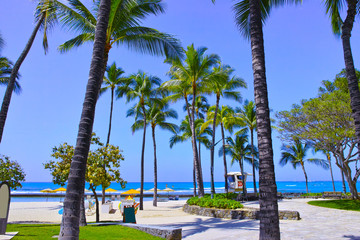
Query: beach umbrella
86	190
111	190
47	190
138	189
60	190
168	190
131	192
152	190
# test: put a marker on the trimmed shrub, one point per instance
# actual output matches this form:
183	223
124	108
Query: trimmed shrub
219	201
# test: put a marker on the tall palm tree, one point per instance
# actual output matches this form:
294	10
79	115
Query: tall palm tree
76	182
201	136
157	116
295	154
248	117
344	29
124	27
328	159
227	120
201	106
45	17
114	79
141	87
222	85
249	17
188	76
239	150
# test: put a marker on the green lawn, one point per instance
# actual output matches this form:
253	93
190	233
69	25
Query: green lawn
46	231
344	204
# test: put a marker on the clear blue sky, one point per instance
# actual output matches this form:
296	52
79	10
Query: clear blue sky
301	51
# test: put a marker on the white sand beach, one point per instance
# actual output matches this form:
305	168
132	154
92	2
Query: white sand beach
316	223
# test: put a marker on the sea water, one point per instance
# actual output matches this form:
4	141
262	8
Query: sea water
180	188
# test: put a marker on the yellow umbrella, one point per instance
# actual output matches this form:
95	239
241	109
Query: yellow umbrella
47	190
60	190
152	190
168	190
131	192
111	190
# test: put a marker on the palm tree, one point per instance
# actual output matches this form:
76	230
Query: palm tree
227	120
141	87
239	151
202	138
157	117
296	153
76	182
44	16
222	85
114	78
344	29
248	117
249	17
187	78
124	27
201	106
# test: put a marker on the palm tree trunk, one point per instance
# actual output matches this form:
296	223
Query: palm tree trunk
194	175
108	141
97	219
353	82
70	221
142	164
269	216
331	171
198	169
242	175
14	73
306	178
252	159
82	212
343	179
155	169
224	158
213	147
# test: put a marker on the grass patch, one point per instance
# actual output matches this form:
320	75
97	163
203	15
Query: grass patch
46	231
343	204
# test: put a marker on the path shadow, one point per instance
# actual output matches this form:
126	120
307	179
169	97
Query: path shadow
352	237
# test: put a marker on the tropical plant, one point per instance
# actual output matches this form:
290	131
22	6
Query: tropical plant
328	159
202	138
157	116
344	28
248	117
45	18
124	27
5	71
239	150
114	79
223	86
296	153
141	87
11	172
201	106
187	78
69	228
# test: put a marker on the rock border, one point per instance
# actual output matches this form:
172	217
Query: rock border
241	213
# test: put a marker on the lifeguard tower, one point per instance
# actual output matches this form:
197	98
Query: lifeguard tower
235	181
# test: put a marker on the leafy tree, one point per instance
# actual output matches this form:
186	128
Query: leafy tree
111	81
45	18
69	228
222	85
187	77
344	28
296	153
185	133
248	118
11	172
326	122
141	87
96	175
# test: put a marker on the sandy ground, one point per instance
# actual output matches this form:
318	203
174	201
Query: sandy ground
316	223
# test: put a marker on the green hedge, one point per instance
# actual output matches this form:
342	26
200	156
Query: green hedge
311	195
219	201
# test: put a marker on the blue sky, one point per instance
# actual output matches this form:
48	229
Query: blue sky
300	51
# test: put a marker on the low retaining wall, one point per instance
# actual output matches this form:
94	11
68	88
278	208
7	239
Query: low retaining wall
244	213
163	232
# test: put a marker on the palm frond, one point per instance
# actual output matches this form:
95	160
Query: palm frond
76	42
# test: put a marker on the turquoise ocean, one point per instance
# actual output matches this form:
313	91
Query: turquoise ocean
180	188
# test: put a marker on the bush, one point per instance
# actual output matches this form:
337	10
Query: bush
311	195
219	201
